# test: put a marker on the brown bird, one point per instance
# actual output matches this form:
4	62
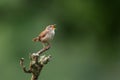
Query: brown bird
46	36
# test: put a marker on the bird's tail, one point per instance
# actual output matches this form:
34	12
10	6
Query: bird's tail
35	39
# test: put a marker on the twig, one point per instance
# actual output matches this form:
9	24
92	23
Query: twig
43	50
36	64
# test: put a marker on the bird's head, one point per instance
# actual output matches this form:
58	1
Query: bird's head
51	27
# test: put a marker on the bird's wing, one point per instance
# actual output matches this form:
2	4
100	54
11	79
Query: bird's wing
43	34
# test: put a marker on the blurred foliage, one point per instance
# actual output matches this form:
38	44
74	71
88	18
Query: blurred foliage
86	45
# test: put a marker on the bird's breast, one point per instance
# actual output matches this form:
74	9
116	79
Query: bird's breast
48	37
51	35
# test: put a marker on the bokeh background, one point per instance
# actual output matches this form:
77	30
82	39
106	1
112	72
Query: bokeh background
86	45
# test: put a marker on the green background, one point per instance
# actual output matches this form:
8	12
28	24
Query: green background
86	45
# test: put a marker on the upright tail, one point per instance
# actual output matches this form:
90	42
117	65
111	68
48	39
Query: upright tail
36	39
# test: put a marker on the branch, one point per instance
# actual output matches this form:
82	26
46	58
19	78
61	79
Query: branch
43	50
36	64
23	66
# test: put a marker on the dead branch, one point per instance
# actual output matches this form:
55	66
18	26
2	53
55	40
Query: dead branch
36	64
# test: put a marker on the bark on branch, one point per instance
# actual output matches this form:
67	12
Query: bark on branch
36	64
